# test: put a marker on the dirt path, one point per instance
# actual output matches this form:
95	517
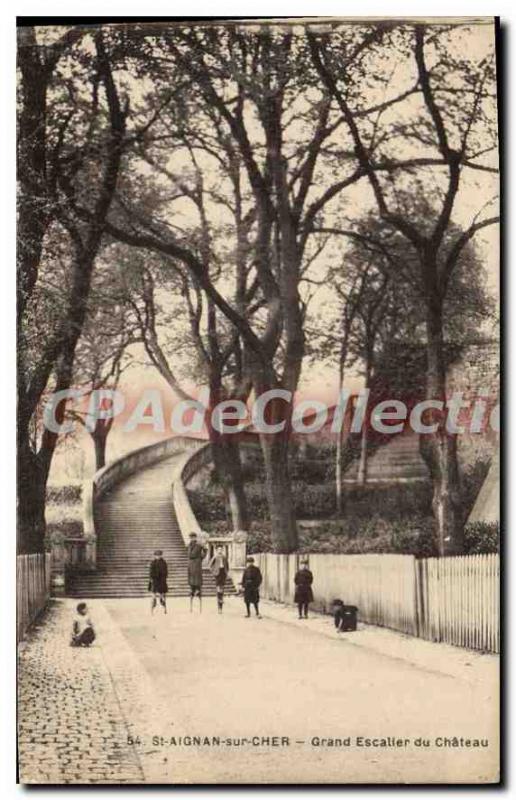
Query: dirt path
263	694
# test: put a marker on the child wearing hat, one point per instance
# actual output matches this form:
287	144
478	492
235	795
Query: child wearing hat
158	581
304	595
196	554
251	580
345	617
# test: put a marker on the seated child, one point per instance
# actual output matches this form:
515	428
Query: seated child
82	632
345	617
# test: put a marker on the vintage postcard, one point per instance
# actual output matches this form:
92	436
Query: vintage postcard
258	401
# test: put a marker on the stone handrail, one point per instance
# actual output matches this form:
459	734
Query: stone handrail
196	454
234	543
189	465
107	477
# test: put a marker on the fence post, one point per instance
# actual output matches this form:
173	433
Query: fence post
453	599
32	589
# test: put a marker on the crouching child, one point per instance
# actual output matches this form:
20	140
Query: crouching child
345	617
83	633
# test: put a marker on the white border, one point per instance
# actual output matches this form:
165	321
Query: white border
194	8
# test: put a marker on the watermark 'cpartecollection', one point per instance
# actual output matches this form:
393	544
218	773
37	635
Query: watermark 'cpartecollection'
459	414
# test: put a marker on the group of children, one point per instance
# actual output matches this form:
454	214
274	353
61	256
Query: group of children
83	633
344	616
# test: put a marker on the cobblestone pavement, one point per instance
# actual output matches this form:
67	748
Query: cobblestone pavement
71	728
181	679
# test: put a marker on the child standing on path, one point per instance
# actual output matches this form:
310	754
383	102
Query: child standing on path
220	567
251	580
304	594
196	554
158	581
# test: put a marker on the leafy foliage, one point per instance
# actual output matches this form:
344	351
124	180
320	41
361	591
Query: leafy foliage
482	537
68	494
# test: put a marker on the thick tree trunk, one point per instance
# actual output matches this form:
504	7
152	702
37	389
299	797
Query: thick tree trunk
226	458
99	442
228	466
34	466
33	219
32	482
275	451
99	435
33	203
439	449
59	350
279	494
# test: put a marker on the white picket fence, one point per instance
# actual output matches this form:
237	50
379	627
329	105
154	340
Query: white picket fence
459	600
32	589
453	600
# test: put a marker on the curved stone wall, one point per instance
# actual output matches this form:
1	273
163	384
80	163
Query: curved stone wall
196	455
189	465
117	470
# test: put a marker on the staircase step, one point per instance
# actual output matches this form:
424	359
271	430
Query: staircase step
134	519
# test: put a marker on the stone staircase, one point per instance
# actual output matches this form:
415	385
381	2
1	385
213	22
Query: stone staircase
397	461
135	518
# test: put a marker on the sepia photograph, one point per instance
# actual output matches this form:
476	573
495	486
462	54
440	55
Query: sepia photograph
258	401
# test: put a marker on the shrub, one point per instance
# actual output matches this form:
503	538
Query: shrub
310	501
482	537
414	536
317	501
390	502
313	501
63	520
207	505
56	531
376	535
259	538
310	471
68	493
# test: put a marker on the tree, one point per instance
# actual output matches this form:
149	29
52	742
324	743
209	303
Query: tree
392	321
164	299
349	289
250	88
450	125
380	317
54	117
101	354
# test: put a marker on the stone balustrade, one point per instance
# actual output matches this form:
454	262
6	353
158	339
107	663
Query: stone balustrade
81	552
187	467
235	543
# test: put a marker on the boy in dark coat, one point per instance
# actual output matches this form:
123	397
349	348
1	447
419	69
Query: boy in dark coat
158	574
196	555
304	595
345	617
251	580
